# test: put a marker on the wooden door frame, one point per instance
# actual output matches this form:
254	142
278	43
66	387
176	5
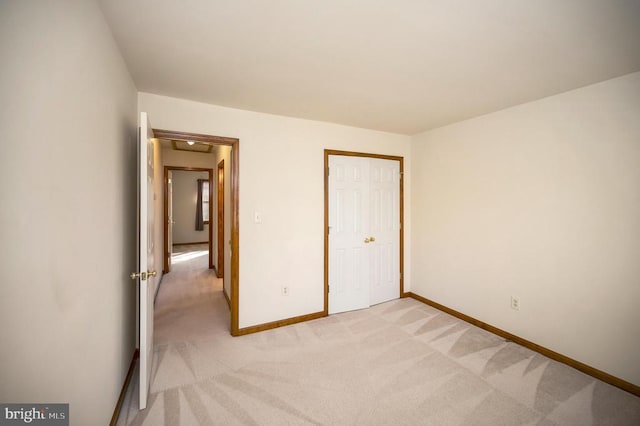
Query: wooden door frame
234	143
327	153
220	216
165	254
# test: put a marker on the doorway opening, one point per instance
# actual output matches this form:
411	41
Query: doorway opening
230	232
187	193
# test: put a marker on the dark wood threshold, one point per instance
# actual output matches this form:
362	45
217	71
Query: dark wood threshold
125	386
279	323
587	369
189	244
226	296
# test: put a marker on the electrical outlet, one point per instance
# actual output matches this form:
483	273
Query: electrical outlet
285	290
515	303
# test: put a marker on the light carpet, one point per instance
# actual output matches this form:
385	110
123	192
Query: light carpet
397	363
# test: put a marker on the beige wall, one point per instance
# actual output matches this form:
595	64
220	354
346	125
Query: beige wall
542	202
68	188
281	176
185	195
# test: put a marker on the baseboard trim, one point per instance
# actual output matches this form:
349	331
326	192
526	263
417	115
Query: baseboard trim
189	244
279	323
587	369
226	296
125	386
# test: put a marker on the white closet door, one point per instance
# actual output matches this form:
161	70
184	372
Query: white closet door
384	227
364	234
349	267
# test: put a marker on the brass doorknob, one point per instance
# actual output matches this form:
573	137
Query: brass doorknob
143	275
372	239
367	240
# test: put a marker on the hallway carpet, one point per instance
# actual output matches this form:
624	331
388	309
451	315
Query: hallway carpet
398	363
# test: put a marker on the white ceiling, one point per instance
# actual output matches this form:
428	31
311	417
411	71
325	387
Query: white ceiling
394	65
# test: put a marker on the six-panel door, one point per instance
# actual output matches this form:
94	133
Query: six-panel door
364	225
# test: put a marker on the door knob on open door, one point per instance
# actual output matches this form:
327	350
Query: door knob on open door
372	239
143	275
367	240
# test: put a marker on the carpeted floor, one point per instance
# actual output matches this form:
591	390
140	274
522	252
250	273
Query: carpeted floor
398	363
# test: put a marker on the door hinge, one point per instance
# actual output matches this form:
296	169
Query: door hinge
328	288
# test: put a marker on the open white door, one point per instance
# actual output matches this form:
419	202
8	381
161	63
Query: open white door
146	272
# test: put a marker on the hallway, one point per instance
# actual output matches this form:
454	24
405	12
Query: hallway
190	304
